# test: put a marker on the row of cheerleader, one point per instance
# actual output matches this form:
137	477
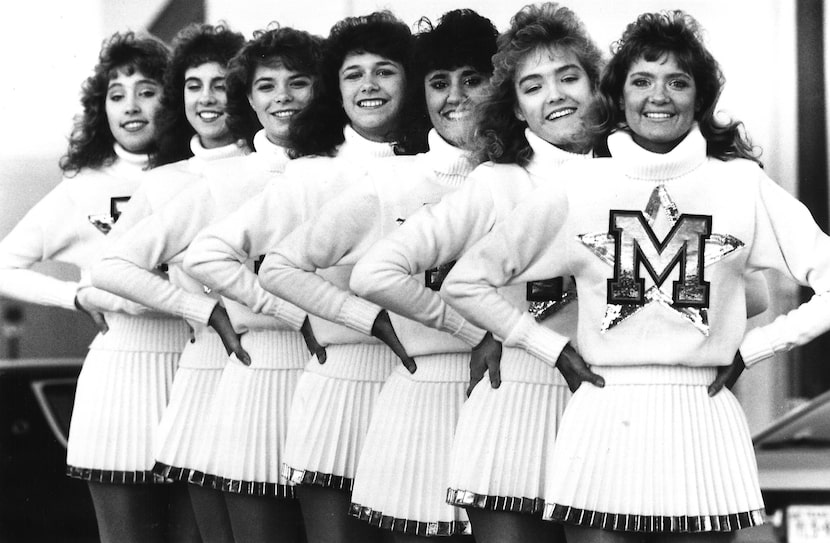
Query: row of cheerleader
387	286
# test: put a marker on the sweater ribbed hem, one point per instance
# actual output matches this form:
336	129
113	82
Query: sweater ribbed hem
439	368
128	333
275	349
371	362
204	351
359	314
656	375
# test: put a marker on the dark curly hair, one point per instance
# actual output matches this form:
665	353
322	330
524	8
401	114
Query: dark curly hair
461	38
297	50
318	129
91	142
651	37
193	46
501	136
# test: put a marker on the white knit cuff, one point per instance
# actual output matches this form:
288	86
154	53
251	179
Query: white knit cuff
541	342
756	347
359	314
290	314
463	329
196	307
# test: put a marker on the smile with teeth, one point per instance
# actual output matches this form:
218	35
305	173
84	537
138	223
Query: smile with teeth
456	115
657	115
209	115
133	126
377	102
559	113
284	114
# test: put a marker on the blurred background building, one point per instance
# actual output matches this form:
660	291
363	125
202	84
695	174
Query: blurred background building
771	52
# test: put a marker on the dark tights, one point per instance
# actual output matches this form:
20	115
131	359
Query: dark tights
327	520
401	538
143	513
578	534
503	527
211	514
263	518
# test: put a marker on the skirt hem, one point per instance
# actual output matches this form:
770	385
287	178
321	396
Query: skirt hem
297	476
508	504
117	477
410	527
652	523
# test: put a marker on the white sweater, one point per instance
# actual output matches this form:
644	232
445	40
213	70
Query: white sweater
218	255
390	273
659	245
160	238
345	228
70	224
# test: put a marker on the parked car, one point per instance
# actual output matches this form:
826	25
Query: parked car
38	502
794	467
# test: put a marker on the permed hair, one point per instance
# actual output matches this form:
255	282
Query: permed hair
653	36
193	46
501	136
297	50
91	142
461	38
318	129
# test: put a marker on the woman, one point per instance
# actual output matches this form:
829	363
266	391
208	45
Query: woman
274	75
365	68
656	449
194	123
397	488
123	386
546	71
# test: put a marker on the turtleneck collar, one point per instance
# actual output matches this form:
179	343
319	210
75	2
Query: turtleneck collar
275	156
138	161
547	156
216	153
356	147
451	164
638	163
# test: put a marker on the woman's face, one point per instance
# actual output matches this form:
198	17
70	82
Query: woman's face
204	103
451	97
372	89
132	105
659	103
553	93
277	94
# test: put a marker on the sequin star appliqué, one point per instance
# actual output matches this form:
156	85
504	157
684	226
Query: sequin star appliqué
659	240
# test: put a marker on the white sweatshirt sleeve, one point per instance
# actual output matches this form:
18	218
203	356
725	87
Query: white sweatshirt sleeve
44	233
128	269
390	273
218	254
788	239
527	246
342	228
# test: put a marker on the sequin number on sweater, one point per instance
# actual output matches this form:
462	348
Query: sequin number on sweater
105	222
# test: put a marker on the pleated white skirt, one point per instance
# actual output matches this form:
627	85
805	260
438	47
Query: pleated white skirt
189	420
330	414
119	401
122	391
251	406
652	452
401	481
498	457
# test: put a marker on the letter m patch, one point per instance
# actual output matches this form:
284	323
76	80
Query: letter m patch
638	248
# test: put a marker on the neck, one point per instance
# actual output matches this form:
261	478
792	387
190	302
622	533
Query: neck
213	143
378	136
